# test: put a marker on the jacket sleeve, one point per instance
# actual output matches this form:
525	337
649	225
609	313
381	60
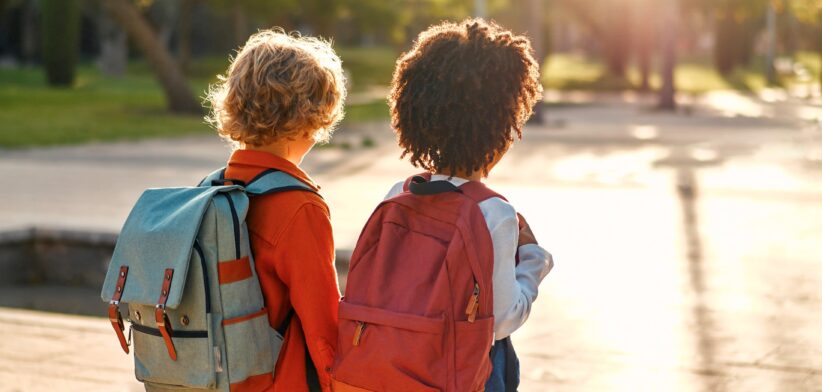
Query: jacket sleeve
307	269
515	286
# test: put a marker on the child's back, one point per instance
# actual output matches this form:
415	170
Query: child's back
459	97
517	272
418	307
282	93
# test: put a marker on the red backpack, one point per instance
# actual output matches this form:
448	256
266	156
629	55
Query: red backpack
418	308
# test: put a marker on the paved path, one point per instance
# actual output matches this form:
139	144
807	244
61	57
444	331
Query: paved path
50	352
687	247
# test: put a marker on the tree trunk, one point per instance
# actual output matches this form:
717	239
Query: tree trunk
28	31
240	24
820	72
175	86
534	24
725	46
184	35
770	55
643	42
113	47
617	38
644	68
617	52
61	40
667	95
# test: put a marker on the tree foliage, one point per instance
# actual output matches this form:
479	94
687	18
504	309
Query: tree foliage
809	13
611	24
736	25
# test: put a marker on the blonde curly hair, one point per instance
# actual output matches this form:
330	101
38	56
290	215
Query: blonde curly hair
279	85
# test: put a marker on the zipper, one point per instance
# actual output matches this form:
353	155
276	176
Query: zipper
358	332
473	304
236	221
205	275
174	333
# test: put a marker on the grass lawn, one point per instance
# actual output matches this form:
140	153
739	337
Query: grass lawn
96	108
99	108
574	72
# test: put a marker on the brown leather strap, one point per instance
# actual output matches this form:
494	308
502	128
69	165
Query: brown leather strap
160	316
114	308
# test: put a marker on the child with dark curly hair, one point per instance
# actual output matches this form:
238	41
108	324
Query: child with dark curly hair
459	98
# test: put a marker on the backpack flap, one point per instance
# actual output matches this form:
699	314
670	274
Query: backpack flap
155	242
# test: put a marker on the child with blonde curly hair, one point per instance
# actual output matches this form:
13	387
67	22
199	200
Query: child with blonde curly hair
282	94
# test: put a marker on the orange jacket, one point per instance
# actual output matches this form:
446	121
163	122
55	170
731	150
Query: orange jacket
294	254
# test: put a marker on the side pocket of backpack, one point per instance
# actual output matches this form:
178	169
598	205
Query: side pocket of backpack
252	348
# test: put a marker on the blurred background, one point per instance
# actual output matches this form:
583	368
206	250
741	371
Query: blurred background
674	170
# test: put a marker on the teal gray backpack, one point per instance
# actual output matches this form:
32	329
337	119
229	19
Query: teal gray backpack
183	264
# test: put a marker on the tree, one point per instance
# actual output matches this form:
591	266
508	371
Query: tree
168	73
113	59
809	12
184	34
610	23
61	31
534	24
770	72
386	20
246	13
667	95
644	39
736	26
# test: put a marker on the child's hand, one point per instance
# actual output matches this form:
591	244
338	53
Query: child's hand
526	236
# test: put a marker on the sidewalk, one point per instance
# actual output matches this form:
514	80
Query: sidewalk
54	352
687	247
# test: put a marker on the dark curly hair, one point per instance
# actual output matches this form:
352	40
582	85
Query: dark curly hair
461	93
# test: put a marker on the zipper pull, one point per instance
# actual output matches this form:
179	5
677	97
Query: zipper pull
358	332
218	360
473	304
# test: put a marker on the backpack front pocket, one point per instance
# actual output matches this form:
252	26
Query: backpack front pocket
194	367
252	348
403	348
473	343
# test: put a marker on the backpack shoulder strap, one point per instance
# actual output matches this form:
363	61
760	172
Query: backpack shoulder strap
421	185
479	192
406	185
274	181
216	175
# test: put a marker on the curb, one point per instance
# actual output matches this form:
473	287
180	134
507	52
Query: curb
43	255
